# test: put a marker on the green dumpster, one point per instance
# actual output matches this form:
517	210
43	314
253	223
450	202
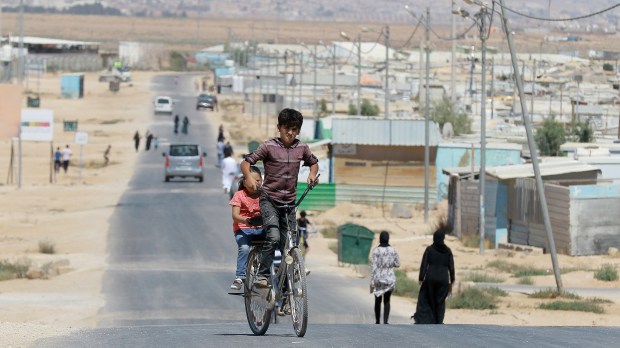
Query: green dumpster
252	146
354	244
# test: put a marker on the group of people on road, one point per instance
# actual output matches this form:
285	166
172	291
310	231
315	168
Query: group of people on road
150	139
254	214
62	158
184	126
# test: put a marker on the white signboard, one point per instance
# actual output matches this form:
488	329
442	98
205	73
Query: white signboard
37	125
81	138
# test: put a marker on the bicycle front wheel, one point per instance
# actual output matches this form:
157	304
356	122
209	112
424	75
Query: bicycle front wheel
257	309
298	295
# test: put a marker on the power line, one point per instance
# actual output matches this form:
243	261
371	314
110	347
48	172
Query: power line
557	19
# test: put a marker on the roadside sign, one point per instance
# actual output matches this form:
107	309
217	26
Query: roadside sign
70	126
37	125
81	138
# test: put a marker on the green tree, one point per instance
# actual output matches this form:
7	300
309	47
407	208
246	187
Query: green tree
580	132
352	109
444	111
369	109
549	137
177	61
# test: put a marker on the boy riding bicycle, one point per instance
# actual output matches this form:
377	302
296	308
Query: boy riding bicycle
281	157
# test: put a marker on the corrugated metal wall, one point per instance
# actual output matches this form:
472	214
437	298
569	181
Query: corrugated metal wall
470	207
322	197
378	194
558	203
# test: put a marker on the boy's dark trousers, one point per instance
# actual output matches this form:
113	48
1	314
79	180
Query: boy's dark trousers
274	224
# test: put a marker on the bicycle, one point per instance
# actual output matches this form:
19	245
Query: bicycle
291	281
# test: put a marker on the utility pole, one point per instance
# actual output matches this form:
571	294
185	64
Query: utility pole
540	188
359	73
483	125
427	114
452	60
20	61
387	74
492	86
301	78
333	79
316	116
533	87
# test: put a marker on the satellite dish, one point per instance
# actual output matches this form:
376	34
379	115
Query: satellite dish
448	131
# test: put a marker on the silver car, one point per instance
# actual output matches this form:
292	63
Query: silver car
184	160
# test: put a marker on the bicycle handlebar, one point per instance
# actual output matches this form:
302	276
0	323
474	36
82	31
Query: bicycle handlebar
295	205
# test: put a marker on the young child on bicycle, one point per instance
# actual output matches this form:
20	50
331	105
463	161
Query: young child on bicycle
281	157
245	210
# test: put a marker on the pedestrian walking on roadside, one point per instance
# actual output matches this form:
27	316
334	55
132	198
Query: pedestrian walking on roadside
57	160
220	151
176	124
136	140
436	279
185	127
149	140
383	260
106	155
66	157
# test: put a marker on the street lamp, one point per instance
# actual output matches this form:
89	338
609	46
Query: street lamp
359	66
480	19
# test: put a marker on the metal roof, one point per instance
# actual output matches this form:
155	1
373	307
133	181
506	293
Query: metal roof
546	169
371	131
33	40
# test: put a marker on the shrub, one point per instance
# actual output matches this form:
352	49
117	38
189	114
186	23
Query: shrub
525	281
607	273
549	137
472	298
443	112
46	246
529	271
608	67
579	306
482	278
10	270
551	293
406	286
329	230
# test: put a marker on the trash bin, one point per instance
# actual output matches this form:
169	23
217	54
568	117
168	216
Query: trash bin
354	244
33	102
252	146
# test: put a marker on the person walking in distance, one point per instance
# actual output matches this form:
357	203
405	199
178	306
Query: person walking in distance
436	279
136	140
220	151
229	170
66	157
383	260
176	124
57	160
185	128
149	140
106	155
281	157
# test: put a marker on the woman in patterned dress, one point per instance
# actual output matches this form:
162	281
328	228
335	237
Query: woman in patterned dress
383	260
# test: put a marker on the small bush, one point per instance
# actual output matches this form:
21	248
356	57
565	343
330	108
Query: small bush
10	270
579	306
329	231
46	246
550	294
114	121
496	292
528	271
501	265
607	273
406	286
525	281
473	241
333	246
472	298
482	278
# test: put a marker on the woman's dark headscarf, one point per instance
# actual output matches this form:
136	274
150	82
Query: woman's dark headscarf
384	239
438	240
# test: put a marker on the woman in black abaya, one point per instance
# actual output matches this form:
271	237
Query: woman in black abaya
436	279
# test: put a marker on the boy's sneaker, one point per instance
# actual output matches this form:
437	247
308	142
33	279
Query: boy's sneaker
261	283
236	285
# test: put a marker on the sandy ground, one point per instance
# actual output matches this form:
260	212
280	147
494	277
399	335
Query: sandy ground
66	295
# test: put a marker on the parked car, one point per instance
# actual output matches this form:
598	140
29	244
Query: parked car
163	105
184	160
205	101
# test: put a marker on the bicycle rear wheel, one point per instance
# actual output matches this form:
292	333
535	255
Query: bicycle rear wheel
257	308
298	296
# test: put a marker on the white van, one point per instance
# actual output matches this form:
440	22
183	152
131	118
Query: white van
163	105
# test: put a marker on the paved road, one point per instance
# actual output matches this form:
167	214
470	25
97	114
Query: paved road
172	256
